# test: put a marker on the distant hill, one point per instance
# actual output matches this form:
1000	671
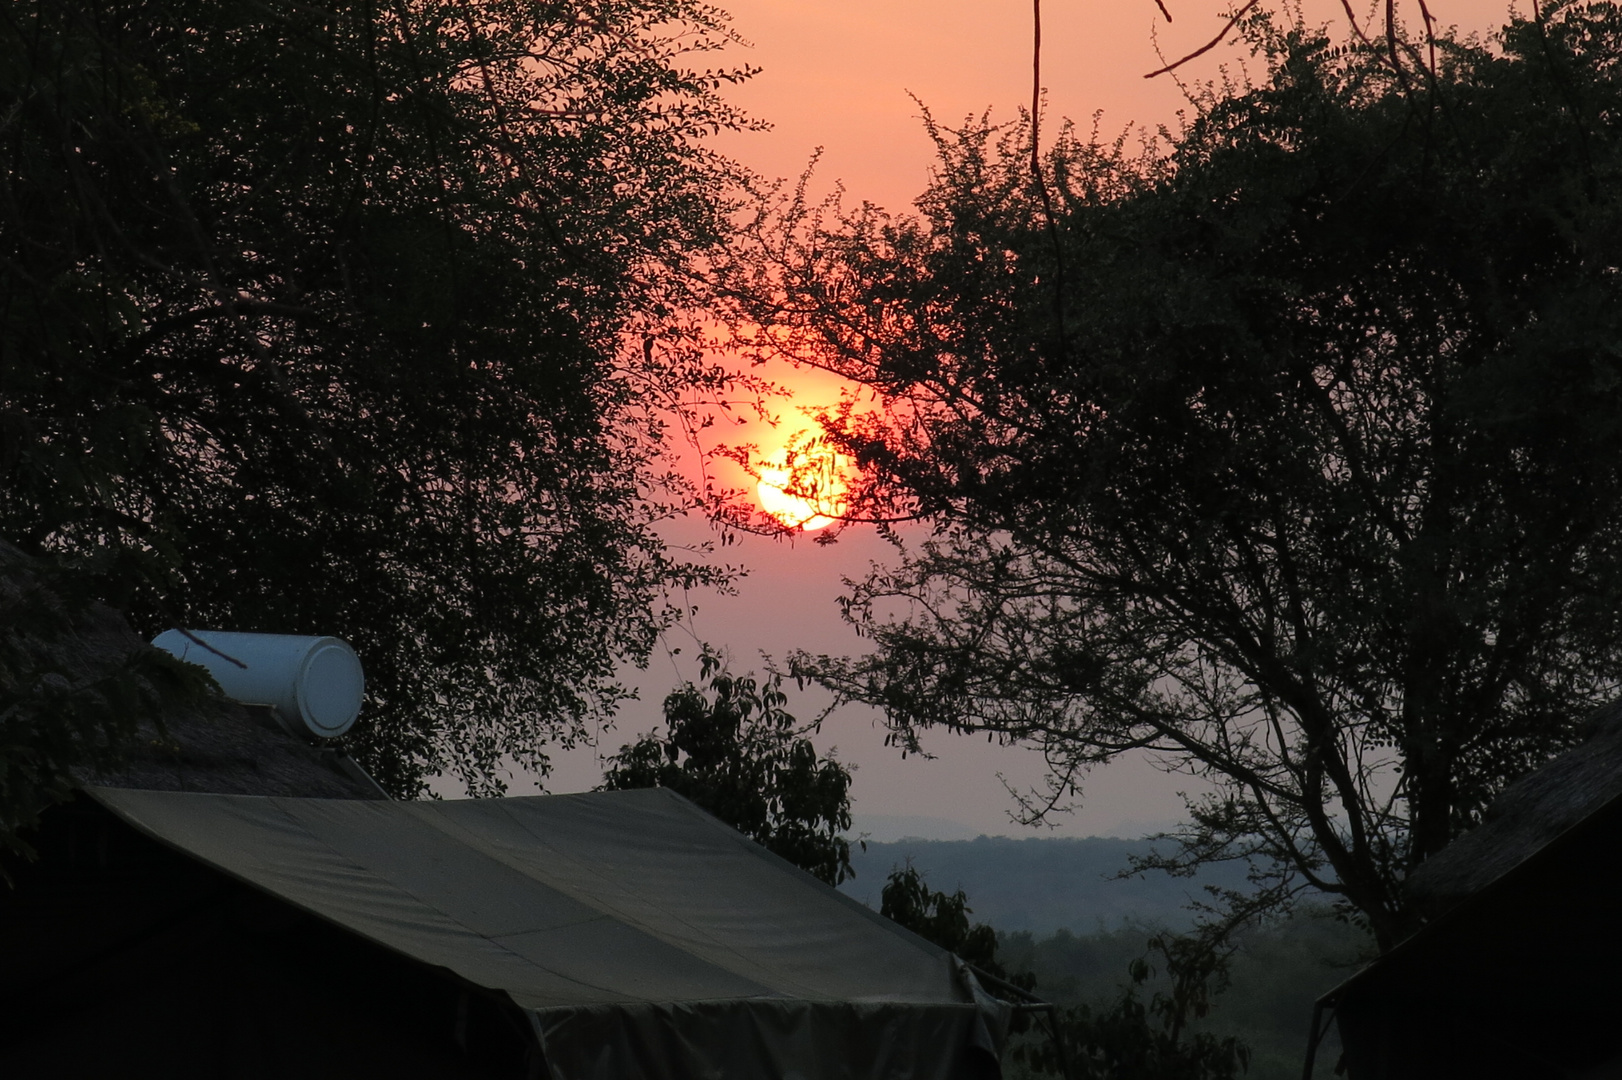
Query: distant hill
1040	884
889	828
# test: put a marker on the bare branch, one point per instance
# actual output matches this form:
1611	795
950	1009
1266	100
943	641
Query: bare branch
1233	20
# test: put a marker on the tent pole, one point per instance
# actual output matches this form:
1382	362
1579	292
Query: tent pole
1320	1028
1057	1034
1031	1003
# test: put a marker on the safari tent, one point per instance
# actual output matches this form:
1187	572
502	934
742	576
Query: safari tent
236	902
623	934
1515	973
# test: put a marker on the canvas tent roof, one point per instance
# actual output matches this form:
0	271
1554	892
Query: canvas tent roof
1529	815
643	937
1491	985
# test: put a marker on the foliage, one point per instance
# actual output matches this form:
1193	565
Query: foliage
1127	1040
72	691
943	919
358	319
934	916
1274	975
1131	1040
1285	450
735	751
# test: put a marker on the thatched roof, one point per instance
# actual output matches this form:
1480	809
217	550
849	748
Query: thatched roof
213	745
225	749
1528	816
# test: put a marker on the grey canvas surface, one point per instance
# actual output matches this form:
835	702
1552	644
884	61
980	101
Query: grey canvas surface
644	938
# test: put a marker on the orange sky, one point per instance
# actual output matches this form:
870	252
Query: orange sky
837	76
840	75
837	73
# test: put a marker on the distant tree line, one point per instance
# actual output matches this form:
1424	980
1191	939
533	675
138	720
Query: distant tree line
1042	883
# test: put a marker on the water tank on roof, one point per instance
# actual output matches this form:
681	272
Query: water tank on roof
314	684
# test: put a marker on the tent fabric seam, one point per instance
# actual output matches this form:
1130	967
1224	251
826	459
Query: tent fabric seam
470	837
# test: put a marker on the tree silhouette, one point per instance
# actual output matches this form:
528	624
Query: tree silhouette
360	319
734	749
1307	488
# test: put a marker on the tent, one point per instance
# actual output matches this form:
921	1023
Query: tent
1515	971
613	934
230	900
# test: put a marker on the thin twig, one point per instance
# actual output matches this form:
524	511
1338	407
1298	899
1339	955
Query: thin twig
195	640
1233	20
1351	17
1430	36
1040	182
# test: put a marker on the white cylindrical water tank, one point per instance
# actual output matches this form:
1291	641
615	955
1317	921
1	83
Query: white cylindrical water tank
315	684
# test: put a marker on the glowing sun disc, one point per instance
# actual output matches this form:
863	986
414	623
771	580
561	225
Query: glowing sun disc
791	510
805	489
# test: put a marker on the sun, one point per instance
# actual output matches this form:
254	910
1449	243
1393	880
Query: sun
805	486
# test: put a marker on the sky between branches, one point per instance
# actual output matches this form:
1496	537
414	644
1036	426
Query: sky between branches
842	75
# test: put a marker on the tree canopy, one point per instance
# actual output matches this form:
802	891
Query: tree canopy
358	319
1286	448
944	919
735	750
72	691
